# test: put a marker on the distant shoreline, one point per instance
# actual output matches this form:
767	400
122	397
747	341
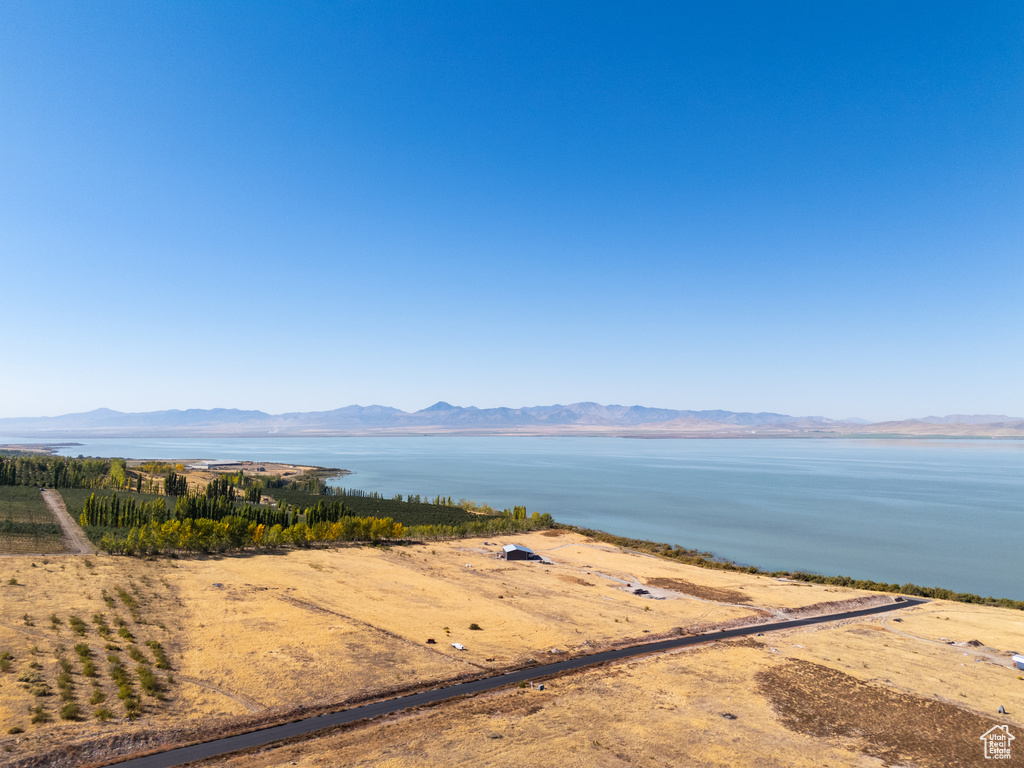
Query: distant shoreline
43	443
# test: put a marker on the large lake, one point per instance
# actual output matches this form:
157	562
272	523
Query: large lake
935	513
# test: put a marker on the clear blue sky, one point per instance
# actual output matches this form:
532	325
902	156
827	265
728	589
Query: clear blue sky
811	208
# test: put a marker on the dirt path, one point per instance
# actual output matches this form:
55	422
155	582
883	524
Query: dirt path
75	539
310	606
976	653
249	704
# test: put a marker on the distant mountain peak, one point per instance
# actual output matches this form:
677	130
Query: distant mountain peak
440	405
585	417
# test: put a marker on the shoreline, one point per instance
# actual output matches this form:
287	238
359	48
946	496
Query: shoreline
705	559
63	439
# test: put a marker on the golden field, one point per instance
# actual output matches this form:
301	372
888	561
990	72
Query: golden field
252	638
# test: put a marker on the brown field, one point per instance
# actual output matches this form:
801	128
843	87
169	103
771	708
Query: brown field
252	638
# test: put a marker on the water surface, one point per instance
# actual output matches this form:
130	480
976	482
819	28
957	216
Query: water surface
935	513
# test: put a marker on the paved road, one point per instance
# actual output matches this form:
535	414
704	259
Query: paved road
265	736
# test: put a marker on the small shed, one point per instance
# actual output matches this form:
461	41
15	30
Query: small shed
1018	661
517	552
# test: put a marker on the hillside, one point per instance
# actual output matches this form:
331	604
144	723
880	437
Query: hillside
269	637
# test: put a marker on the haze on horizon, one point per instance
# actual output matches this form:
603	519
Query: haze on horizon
795	208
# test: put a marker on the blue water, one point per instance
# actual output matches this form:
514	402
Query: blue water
935	513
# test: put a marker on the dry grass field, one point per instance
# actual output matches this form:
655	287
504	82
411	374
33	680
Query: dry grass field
256	637
741	703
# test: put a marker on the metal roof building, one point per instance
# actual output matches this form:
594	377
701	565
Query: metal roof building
207	465
517	552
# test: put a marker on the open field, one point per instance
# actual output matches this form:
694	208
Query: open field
255	637
26	523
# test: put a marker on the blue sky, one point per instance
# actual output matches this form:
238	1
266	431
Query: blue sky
797	207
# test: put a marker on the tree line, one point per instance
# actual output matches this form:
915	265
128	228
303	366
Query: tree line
237	533
55	471
112	511
370	504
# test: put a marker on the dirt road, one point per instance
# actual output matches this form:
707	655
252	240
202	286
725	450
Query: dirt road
75	539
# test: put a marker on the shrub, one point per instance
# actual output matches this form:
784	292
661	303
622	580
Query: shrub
101	625
103	714
137	655
158	652
130	603
15	729
474	625
77	624
70	711
55	621
88	668
39	715
148	681
98	697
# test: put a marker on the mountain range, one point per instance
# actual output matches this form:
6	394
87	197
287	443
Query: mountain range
444	418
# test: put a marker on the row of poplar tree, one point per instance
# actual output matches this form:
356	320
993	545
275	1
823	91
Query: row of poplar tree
116	512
